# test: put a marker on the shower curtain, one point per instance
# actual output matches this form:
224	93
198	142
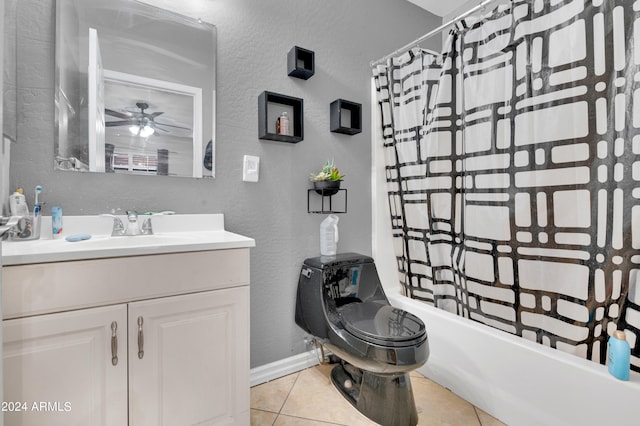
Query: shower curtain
513	170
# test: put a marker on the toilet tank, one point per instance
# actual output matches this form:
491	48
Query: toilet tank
310	315
327	282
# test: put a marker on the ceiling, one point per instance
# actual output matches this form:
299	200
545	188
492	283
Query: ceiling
440	7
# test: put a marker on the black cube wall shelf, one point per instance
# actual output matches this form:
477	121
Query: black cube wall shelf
270	106
301	63
345	117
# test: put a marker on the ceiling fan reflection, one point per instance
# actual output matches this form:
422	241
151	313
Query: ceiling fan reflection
141	123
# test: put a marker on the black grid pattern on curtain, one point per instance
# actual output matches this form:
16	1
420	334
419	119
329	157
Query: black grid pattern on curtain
513	164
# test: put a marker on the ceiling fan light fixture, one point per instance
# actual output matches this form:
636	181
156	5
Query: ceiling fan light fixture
146	131
142	131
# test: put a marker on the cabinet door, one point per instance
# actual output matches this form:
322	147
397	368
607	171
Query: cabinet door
58	368
189	359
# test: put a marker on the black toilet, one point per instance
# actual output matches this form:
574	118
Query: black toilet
341	302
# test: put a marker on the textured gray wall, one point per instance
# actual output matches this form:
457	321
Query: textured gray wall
4	183
254	37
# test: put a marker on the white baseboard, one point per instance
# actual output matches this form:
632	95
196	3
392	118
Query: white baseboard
284	367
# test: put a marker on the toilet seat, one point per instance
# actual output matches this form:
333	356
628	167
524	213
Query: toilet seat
382	324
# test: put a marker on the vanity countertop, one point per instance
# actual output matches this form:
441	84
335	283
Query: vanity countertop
172	234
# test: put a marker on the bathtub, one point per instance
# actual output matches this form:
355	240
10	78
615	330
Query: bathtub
518	381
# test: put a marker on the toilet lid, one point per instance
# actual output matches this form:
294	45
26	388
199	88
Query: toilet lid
381	322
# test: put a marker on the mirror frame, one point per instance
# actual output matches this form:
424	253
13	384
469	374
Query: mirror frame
201	148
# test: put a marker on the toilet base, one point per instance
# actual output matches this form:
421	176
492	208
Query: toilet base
386	399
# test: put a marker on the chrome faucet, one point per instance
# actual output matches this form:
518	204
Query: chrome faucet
119	230
21	228
133	227
147	228
7	225
118	227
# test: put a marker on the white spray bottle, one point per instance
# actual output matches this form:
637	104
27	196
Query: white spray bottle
329	236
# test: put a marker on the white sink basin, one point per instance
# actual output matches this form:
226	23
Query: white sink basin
107	241
177	233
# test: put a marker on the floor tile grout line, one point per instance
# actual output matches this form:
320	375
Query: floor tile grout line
475	409
287	397
311	420
299	417
277	413
308	418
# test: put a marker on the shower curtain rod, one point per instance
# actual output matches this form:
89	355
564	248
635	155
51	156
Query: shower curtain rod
432	33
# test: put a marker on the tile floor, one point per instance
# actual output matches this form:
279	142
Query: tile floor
308	398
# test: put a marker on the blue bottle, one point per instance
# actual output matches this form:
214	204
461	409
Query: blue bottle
619	355
56	221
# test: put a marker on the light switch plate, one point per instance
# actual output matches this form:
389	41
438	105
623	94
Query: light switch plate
251	168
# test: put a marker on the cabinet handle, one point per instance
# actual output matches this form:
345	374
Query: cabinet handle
114	343
140	339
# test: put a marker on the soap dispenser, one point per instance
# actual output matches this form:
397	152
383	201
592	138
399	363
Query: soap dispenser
18	204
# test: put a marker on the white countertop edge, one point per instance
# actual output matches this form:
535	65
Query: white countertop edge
29	259
46	250
102	253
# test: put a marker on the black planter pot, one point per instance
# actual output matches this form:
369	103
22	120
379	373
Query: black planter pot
327	187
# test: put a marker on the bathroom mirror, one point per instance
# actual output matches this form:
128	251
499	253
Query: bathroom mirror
9	73
134	90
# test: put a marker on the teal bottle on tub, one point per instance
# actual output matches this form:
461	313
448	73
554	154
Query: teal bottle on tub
619	355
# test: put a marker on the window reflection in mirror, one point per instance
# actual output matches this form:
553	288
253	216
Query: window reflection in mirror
135	89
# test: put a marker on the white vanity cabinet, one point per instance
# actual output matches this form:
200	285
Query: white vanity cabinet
181	340
188	359
58	369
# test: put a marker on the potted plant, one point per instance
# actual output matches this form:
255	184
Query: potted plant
327	180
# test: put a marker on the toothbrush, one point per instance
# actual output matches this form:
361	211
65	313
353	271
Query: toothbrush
38	191
36	205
